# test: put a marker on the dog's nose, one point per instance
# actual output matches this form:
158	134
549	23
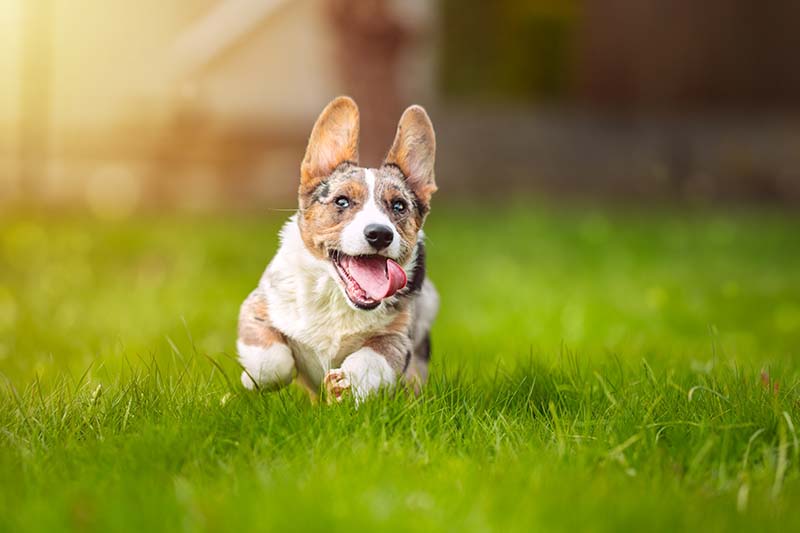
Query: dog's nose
378	236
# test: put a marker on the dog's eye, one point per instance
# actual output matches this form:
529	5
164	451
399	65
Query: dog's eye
399	206
342	201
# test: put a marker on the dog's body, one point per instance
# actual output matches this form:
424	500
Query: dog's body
345	302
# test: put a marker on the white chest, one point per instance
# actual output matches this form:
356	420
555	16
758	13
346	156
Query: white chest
306	304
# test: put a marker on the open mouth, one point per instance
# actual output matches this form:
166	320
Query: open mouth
368	279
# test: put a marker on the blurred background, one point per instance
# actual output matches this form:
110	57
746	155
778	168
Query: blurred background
117	107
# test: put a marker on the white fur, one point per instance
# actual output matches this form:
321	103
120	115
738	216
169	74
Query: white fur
367	371
270	367
307	304
353	240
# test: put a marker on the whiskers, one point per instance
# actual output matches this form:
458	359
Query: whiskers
335	254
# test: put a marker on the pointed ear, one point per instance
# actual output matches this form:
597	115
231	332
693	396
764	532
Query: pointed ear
333	141
414	151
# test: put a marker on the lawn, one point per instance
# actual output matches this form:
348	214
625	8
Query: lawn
593	369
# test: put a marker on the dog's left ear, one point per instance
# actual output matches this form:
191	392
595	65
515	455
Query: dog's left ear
414	152
333	141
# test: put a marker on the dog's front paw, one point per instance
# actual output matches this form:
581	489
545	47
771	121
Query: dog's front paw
336	384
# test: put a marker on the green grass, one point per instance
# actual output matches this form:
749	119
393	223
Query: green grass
605	371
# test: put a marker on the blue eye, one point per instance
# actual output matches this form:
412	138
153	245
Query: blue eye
399	206
342	201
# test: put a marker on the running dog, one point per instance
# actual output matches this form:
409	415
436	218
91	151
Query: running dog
345	305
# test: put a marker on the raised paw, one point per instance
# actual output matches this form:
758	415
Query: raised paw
336	383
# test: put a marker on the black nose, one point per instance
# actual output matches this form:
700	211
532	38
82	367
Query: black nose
378	236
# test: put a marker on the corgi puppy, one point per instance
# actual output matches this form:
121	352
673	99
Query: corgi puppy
345	304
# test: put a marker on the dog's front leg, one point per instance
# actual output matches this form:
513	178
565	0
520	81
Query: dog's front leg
263	352
376	365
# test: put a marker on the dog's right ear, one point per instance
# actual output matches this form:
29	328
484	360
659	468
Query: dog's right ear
333	141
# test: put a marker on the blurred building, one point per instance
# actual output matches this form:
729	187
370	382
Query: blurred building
678	54
624	98
206	103
184	101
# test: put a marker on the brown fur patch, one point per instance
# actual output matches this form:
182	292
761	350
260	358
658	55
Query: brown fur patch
393	342
254	324
321	220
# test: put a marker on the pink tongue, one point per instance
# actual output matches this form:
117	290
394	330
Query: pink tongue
380	277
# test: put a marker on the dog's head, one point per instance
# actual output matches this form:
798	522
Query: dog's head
365	221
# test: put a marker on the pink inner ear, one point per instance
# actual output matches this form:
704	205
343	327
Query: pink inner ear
326	159
416	169
414	150
334	139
